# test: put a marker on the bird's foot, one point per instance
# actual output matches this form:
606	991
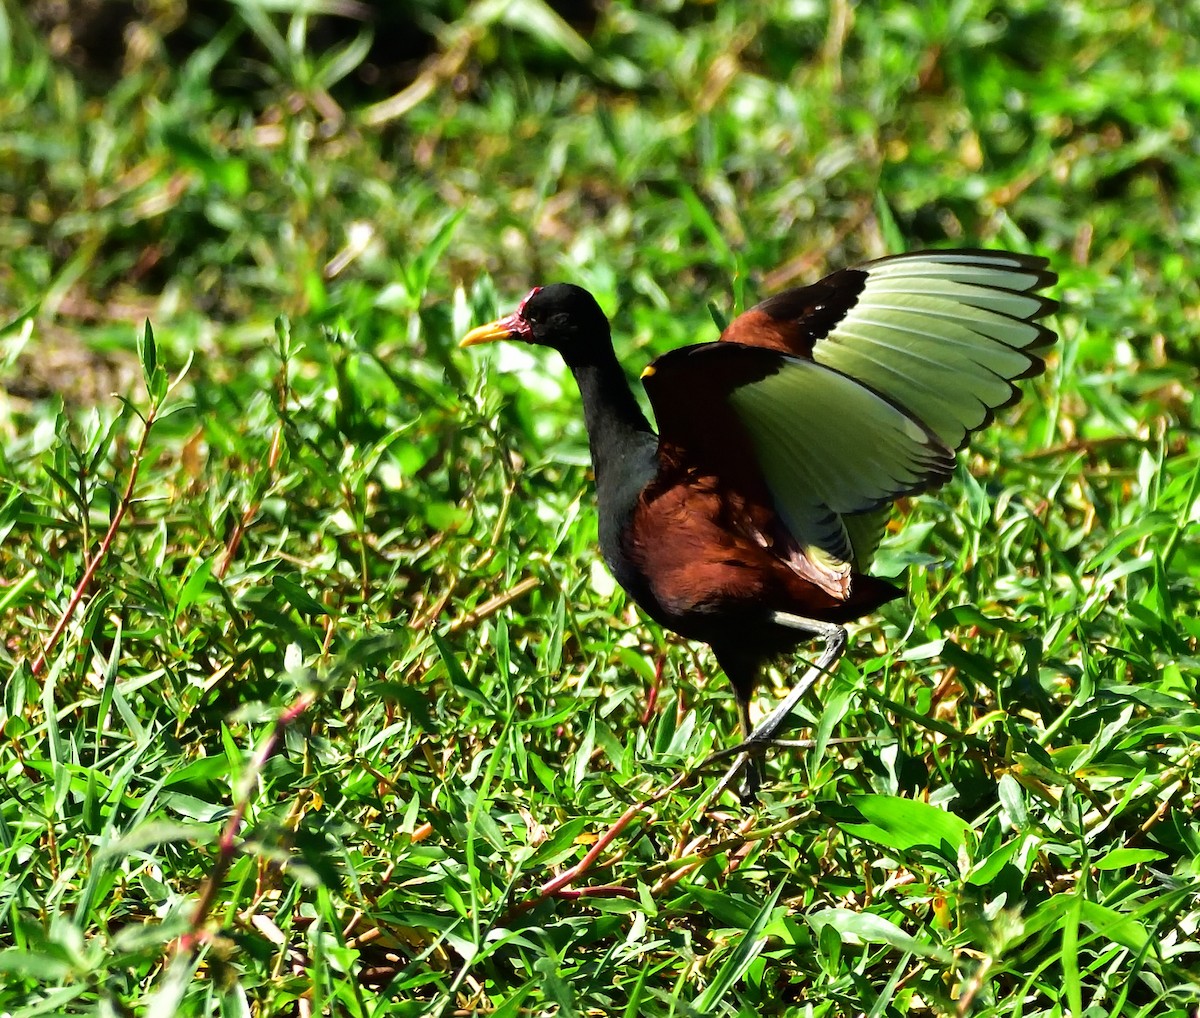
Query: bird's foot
751	783
745	765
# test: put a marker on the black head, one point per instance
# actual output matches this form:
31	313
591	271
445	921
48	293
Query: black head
561	316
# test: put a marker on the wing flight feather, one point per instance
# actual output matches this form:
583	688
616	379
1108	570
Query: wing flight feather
858	389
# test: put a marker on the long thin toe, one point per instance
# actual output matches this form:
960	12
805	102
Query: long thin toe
751	783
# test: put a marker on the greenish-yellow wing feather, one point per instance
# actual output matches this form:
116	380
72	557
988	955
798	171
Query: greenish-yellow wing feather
943	335
830	448
866	532
857	389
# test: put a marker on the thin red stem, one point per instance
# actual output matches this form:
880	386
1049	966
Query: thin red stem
227	843
89	573
555	887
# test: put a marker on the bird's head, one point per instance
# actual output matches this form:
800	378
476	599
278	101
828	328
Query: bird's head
561	316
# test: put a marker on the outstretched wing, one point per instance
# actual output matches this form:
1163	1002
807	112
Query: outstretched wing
858	389
824	445
943	334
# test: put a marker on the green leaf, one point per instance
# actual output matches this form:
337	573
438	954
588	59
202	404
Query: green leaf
43	967
1070	957
634	1004
1113	925
458	677
555	987
868	928
1123	858
1012	798
734	967
194	808
538	19
148	353
157	833
511	1007
194	586
904	824
987	869
964	616
297	596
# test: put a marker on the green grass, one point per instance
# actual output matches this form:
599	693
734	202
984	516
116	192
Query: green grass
349	693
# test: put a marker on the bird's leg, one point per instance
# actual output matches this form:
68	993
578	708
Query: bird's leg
741	666
753	779
835	644
749	790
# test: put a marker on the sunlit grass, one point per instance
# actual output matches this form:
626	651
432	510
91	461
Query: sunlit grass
346	693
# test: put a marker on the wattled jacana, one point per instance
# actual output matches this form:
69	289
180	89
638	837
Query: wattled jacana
750	520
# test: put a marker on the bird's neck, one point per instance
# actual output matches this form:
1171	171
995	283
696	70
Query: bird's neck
624	456
617	429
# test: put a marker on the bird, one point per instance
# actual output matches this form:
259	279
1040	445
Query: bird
750	519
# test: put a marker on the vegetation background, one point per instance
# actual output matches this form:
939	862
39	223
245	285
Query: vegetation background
316	698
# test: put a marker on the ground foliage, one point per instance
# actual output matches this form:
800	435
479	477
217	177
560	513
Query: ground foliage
334	691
